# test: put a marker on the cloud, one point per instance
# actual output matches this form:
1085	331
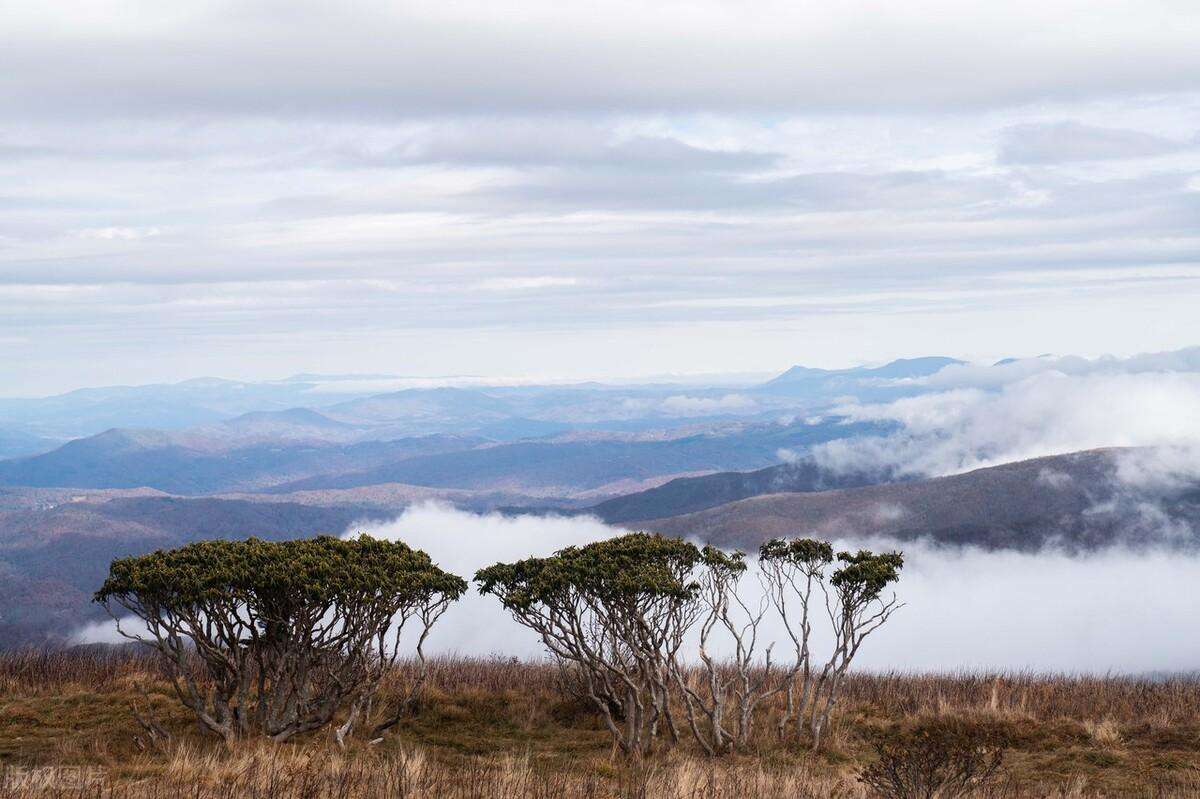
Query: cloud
964	608
524	283
1062	142
683	405
743	184
542	56
1047	413
119	233
1013	370
463	543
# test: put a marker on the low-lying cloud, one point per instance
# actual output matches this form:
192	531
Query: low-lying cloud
1047	412
964	608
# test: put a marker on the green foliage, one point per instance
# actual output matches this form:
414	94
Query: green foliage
278	636
723	565
807	553
320	571
630	567
865	574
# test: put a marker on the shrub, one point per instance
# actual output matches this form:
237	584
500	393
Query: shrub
935	759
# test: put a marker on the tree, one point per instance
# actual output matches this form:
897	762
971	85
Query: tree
275	638
614	614
856	609
791	569
731	685
854	605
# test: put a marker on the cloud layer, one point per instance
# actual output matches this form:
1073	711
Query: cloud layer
985	416
425	188
964	608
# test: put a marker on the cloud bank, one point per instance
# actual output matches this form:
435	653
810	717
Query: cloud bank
985	416
964	608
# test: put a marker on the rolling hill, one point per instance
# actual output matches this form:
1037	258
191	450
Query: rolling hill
1077	501
692	494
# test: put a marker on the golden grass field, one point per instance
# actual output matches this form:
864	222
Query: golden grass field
496	728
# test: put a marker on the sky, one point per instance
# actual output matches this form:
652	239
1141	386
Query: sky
590	190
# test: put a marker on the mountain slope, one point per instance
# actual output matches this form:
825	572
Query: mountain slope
1078	501
692	494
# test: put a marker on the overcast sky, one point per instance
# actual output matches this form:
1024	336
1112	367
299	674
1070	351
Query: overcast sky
561	189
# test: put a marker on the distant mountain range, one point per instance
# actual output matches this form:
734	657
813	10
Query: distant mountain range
869	384
564	467
503	412
184	464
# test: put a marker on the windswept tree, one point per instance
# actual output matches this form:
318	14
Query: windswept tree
854	601
721	696
276	638
614	614
791	570
857	607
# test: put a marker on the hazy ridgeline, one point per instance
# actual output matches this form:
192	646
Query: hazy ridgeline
492	728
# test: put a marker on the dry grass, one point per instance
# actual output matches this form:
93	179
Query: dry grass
487	729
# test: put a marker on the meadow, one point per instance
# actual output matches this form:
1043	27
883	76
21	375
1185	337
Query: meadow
104	723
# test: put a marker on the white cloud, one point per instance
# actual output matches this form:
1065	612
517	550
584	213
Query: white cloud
684	405
1046	413
524	283
119	233
463	543
963	608
600	190
1072	141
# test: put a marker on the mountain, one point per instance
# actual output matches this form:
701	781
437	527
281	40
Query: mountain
565	467
874	384
895	370
169	406
190	464
457	407
1078	501
692	494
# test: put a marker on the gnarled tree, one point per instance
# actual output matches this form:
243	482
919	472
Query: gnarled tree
721	696
614	613
275	638
790	571
854	604
856	608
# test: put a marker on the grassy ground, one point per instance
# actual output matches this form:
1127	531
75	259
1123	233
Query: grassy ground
490	729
